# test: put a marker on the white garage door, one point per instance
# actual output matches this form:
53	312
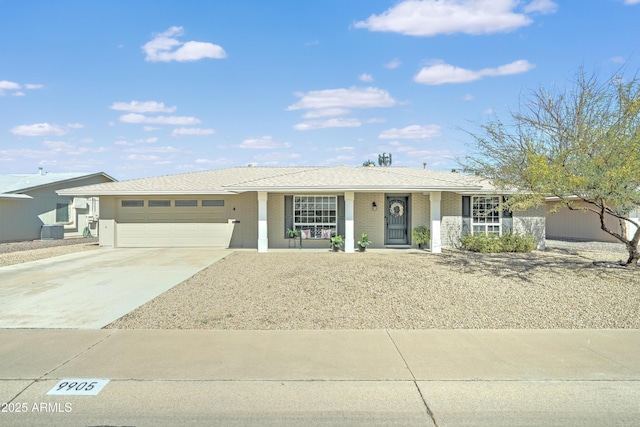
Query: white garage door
152	223
177	235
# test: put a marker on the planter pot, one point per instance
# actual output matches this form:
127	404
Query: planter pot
362	248
335	248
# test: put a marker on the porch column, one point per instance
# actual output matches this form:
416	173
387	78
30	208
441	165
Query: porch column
349	241
263	240
436	243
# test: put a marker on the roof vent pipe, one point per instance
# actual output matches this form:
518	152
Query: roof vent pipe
40	170
424	166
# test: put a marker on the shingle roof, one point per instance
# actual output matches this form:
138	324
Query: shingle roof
17	183
281	179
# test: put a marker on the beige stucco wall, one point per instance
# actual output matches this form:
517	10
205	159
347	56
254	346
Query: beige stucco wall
451	225
532	221
244	208
366	220
580	225
420	212
241	207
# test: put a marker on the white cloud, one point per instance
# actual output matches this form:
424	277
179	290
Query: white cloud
165	47
411	132
142	107
325	112
167	149
395	63
441	73
192	131
312	43
12	154
265	142
489	111
75	125
278	158
137	141
468	97
541	6
142	158
432	17
7	85
341	160
159	120
365	77
150	128
39	129
630	2
219	161
346	148
331	123
352	97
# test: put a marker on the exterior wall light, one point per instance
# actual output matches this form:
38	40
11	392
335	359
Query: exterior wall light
374	206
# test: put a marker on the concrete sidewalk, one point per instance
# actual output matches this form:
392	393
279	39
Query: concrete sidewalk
368	377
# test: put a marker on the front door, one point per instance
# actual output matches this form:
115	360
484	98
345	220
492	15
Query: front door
397	220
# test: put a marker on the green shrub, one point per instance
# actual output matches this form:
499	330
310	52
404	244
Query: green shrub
514	242
492	243
421	235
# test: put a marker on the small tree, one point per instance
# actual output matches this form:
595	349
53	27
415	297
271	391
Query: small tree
582	144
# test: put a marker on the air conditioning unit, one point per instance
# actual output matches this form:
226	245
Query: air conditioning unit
80	202
52	232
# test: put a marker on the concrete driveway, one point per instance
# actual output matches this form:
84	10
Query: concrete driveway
89	290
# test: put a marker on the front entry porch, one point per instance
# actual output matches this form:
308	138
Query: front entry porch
355	213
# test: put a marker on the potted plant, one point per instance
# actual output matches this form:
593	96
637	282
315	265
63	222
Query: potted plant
363	242
292	234
336	242
421	235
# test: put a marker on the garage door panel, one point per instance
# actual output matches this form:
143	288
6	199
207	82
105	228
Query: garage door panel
150	235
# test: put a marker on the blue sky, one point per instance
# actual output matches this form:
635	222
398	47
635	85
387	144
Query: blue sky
145	88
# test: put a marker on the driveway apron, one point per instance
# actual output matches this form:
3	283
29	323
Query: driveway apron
89	290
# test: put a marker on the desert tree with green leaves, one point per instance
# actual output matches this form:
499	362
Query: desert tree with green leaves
581	143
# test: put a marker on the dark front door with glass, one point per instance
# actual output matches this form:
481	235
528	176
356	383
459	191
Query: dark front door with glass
397	223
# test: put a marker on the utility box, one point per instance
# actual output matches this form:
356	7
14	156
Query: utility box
52	232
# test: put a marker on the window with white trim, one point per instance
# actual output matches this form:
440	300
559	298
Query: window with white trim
315	216
485	214
62	212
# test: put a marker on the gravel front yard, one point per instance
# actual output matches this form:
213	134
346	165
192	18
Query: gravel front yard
560	288
32	250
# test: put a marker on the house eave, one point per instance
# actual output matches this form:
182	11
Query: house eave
12	196
368	188
71	192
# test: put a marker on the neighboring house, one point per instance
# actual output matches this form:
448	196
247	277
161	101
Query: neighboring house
253	207
581	224
29	201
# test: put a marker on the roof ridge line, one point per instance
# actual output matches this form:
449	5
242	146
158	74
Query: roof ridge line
273	176
396	172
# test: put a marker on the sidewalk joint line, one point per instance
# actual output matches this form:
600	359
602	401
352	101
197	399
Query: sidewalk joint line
43	377
21	391
415	382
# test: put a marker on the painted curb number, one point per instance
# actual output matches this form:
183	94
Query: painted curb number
78	387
